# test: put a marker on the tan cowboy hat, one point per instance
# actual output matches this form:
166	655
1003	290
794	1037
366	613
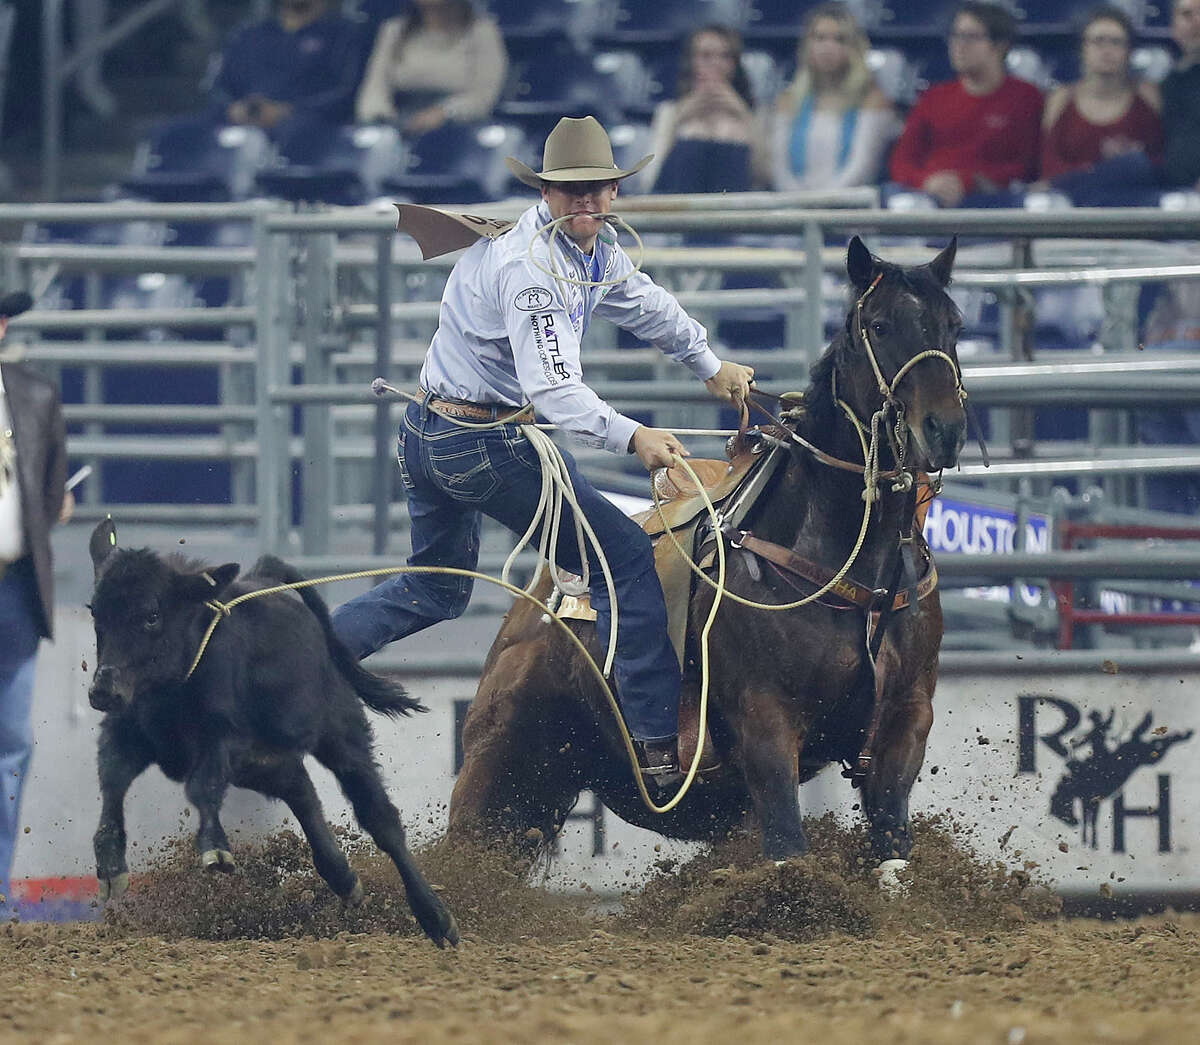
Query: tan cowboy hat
576	150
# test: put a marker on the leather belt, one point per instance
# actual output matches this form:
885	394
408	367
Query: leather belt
479	411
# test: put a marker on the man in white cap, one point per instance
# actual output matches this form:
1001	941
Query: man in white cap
508	334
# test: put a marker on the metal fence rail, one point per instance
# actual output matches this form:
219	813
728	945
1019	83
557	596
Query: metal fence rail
333	298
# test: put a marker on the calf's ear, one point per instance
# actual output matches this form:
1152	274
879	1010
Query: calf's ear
102	542
207	584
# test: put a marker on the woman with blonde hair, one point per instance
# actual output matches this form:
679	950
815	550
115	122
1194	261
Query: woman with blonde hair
832	125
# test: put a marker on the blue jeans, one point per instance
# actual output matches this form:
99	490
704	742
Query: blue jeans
453	475
18	648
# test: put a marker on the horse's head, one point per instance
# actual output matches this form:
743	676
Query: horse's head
903	330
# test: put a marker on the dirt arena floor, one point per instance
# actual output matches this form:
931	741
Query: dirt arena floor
721	949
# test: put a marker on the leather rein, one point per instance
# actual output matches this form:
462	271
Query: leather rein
903	479
903	588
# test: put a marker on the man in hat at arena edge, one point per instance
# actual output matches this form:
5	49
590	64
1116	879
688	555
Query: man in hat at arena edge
509	334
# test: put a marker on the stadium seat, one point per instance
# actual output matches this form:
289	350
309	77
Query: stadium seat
562	82
636	21
1064	16
766	77
457	164
630	142
895	75
537	20
625	76
1027	64
927	18
767	19
1151	62
190	159
350	167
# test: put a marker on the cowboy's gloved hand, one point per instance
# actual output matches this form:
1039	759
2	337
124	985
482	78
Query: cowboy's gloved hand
656	448
731	382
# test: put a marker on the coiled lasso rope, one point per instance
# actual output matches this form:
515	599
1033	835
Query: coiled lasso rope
550	230
223	609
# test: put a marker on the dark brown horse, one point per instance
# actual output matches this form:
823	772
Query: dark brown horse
791	691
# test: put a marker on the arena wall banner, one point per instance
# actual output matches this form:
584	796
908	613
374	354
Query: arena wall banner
1091	773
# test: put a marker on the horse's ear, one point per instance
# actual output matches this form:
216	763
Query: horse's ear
944	262
860	265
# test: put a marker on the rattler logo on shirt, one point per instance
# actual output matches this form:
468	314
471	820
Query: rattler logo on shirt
546	339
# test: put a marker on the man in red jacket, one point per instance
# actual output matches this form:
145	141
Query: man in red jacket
974	135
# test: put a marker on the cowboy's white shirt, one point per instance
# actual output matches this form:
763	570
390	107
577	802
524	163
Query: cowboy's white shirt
509	332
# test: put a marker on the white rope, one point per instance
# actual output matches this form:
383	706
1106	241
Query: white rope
551	228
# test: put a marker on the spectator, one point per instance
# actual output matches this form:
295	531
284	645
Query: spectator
709	138
441	61
1181	100
1102	137
33	468
832	125
968	139
293	75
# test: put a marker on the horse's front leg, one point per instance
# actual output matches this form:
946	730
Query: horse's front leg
898	754
768	749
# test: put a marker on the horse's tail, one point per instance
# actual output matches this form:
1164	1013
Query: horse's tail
386	696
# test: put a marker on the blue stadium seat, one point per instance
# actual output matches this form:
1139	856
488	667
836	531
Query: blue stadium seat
630	142
562	82
191	159
457	164
927	18
522	20
1037	17
639	21
346	169
775	18
767	77
895	75
1027	64
1151	62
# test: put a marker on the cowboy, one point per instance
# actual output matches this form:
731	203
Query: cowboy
508	335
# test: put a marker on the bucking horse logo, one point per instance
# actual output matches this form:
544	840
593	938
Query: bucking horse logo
1103	772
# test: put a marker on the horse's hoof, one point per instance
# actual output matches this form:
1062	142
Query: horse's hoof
218	860
890	883
112	888
354	897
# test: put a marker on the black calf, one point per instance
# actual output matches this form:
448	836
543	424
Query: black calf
273	685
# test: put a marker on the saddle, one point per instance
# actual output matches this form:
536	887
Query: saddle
739	479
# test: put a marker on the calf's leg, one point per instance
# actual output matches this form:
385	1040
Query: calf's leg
350	760
205	788
121	757
286	778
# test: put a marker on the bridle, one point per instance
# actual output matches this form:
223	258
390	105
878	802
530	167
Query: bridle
890	417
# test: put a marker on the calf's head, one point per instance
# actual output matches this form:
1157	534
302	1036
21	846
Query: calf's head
148	613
